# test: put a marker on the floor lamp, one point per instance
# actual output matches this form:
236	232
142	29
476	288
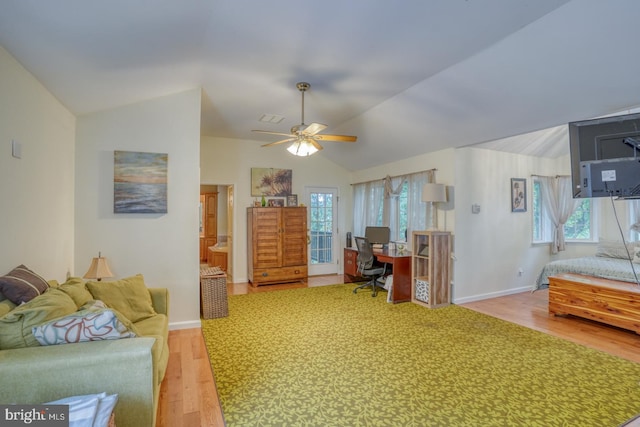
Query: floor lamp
434	193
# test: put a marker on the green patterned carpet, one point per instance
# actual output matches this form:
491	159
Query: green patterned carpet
326	357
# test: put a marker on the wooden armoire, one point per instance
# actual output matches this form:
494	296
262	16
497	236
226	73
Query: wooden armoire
277	245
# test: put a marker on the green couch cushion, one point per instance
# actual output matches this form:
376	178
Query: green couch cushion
157	327
129	296
15	326
75	288
6	306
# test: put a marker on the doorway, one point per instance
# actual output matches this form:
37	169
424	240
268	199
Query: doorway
216	227
322	205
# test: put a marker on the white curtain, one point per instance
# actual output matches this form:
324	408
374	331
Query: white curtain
634	206
367	202
392	189
559	204
369	197
417	214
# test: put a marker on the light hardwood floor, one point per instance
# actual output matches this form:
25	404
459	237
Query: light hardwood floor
188	395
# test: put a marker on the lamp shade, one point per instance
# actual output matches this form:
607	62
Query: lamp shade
434	193
98	269
302	148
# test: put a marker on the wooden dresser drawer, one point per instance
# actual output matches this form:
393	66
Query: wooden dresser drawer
279	275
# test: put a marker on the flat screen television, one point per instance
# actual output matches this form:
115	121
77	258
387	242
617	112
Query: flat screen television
605	157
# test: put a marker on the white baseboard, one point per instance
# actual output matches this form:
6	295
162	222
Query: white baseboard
185	325
492	295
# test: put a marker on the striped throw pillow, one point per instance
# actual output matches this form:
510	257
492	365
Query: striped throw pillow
22	285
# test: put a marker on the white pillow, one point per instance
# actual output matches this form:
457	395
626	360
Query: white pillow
91	410
83	325
614	249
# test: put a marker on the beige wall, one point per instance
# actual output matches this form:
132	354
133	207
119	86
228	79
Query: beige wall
37	190
163	247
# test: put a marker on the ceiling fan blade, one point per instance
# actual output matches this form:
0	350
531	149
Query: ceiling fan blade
339	138
271	133
313	128
315	143
279	142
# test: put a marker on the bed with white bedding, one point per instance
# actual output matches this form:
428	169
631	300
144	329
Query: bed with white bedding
612	260
596	266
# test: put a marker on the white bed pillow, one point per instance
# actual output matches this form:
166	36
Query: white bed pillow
615	249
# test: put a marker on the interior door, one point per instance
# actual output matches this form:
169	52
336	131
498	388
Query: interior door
322	203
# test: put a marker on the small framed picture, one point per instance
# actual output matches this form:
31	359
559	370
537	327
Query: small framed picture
275	203
257	203
518	195
292	200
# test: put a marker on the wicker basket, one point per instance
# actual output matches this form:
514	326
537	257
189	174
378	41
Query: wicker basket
422	290
213	294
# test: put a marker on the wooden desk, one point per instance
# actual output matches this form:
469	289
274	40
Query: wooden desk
400	263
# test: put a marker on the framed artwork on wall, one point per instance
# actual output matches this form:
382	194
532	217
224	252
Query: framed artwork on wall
518	195
271	182
139	182
292	200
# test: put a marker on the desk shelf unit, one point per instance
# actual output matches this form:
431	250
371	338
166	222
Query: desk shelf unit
431	268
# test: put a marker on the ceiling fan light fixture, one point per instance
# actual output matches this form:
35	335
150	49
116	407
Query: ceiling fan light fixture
302	148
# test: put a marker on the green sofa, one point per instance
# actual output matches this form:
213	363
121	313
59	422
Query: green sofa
132	368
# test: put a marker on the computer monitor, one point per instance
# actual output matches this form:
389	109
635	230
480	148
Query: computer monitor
377	235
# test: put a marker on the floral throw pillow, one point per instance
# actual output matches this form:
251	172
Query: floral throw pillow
92	324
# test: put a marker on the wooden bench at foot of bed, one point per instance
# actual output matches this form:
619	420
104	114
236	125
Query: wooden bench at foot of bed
608	301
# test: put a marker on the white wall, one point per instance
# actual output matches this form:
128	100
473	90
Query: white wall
37	190
493	245
163	247
229	162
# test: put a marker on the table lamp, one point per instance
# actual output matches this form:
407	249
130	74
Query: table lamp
98	269
434	193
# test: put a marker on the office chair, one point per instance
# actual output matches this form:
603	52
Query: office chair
366	268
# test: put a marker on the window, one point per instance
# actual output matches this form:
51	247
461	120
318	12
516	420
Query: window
578	228
394	202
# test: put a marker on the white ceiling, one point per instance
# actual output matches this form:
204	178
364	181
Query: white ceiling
407	77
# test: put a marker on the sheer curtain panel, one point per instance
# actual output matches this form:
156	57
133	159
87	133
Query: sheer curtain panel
559	204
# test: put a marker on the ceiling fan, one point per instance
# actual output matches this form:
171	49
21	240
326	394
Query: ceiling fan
305	137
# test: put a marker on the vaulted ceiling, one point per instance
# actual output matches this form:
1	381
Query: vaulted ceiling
407	77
